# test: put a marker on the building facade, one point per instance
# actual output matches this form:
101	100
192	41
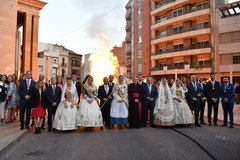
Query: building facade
19	21
56	60
186	37
138	37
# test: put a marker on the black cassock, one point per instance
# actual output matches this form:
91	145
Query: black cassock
135	109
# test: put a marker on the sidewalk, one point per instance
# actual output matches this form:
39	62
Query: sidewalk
9	133
236	112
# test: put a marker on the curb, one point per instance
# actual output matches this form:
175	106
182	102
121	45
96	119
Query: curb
5	149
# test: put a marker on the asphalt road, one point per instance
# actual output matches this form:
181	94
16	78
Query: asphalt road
127	144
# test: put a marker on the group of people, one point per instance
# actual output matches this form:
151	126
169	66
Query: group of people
73	104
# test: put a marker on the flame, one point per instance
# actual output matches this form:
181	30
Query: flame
102	62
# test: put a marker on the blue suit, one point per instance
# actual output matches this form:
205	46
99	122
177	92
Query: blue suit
25	105
147	104
227	91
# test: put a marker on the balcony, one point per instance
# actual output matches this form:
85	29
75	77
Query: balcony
188	15
128	27
181	70
128	38
64	65
128	50
128	15
168	4
186	51
128	62
184	33
162	4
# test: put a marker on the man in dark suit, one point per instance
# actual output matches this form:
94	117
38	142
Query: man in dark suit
104	94
140	81
53	94
77	85
227	95
110	79
150	95
25	91
213	95
195	97
203	100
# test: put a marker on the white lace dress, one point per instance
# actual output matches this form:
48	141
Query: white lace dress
89	114
66	118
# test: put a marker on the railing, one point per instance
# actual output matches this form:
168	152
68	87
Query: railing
181	49
163	4
198	27
128	15
185	12
181	67
127	49
128	26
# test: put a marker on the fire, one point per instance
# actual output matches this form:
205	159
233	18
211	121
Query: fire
102	62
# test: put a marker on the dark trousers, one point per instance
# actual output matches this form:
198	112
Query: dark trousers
106	113
196	109
51	114
214	107
228	109
25	108
202	108
147	105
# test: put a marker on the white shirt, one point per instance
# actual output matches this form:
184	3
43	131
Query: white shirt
149	88
28	83
106	88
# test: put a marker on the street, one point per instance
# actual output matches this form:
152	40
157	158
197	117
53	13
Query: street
129	144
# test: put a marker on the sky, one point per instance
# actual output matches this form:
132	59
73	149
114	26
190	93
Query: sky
75	24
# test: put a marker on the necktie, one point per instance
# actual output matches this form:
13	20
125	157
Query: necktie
54	89
28	84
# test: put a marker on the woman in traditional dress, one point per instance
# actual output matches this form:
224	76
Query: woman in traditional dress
89	114
135	94
66	114
39	105
164	109
119	106
183	114
60	82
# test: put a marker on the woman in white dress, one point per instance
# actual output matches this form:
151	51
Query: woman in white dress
66	114
164	109
119	106
89	114
183	114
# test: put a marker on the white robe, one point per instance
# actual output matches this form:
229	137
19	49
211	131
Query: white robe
66	118
119	110
89	114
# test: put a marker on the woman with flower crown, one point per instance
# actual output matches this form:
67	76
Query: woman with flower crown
119	106
66	114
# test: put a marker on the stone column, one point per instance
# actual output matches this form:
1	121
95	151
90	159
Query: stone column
34	54
27	36
8	25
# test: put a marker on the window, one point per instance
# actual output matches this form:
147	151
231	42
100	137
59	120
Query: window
40	54
63	61
177	30
178	47
202	6
177	12
179	65
236	59
204	63
63	73
40	68
76	63
203	44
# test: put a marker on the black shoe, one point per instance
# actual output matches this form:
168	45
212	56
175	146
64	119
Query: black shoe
36	130
197	125
215	124
109	127
43	128
22	128
39	130
203	123
49	130
27	127
231	126
224	125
